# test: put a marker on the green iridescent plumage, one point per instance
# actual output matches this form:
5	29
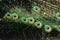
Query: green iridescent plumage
35	18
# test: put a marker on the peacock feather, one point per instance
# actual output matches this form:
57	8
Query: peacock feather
42	15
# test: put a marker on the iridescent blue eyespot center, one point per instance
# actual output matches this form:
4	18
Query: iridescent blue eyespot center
30	19
47	27
8	14
38	24
58	14
15	14
58	27
36	8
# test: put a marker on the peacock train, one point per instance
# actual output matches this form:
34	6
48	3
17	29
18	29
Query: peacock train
30	19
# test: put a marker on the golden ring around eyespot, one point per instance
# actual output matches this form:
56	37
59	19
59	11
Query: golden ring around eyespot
38	24
47	28
31	20
36	8
7	15
58	15
15	16
24	20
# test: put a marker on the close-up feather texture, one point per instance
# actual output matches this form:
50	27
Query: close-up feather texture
30	19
